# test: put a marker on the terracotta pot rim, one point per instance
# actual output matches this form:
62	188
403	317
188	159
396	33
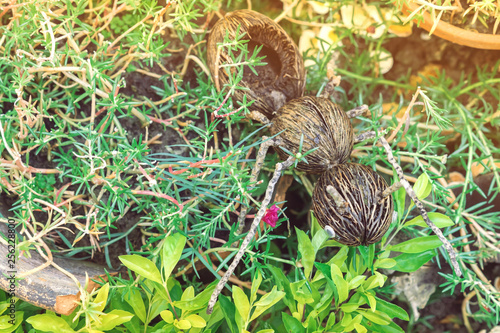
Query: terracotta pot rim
454	34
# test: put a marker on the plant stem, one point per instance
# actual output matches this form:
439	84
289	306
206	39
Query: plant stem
259	162
420	206
251	232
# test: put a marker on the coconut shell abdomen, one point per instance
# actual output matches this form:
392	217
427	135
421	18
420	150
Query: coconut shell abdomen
322	124
282	79
366	219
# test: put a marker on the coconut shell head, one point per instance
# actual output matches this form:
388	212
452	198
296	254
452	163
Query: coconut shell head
366	219
322	124
282	79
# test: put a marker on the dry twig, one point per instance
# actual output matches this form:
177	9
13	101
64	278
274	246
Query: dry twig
267	198
420	206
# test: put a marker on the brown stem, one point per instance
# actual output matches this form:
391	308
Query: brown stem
465	315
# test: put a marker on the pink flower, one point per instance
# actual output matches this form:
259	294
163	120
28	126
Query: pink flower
271	216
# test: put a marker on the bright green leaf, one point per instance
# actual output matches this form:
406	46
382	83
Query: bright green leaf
356	281
141	266
326	299
306	251
376	317
283	284
391	328
241	302
391	310
49	323
196	321
134	298
346	319
423	186
312	324
199	301
167	316
171	253
257	280
371	301
340	257
384	263
188	293
270	298
102	297
228	309
439	220
348	307
331	321
318	239
400	202
410	262
349	324
301	292
182	324
417	245
6	325
112	319
353	304
340	283
159	289
360	328
376	280
267	301
4	306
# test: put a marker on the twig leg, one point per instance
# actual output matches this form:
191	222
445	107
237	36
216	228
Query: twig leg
259	162
365	136
333	82
267	198
337	198
388	191
357	111
420	206
257	116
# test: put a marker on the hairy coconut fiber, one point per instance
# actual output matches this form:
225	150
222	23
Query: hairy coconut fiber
320	124
365	217
282	79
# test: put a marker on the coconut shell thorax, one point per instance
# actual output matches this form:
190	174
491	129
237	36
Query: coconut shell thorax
282	79
366	218
322	124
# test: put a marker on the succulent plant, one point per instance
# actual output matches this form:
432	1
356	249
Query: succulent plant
282	79
317	123
348	204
